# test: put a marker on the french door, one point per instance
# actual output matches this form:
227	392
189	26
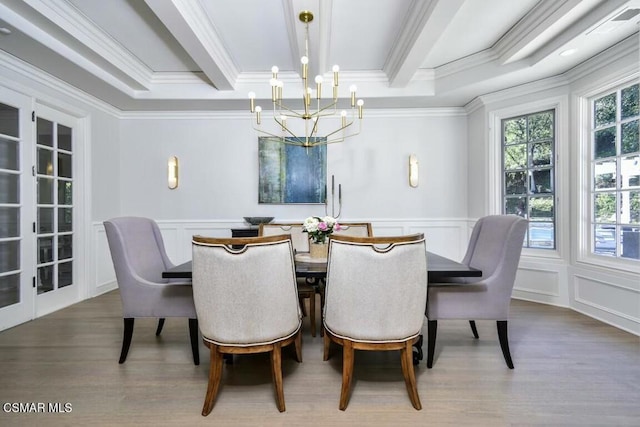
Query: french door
16	209
54	228
38	220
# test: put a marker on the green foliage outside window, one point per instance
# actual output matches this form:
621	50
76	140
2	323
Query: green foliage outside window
616	173
529	174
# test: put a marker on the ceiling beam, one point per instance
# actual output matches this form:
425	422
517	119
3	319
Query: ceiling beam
598	15
540	26
188	22
423	27
61	28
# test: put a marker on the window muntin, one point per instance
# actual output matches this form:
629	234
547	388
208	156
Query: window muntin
615	172
528	174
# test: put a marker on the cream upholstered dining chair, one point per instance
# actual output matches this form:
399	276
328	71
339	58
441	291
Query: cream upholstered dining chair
375	295
247	302
494	248
300	241
357	229
139	258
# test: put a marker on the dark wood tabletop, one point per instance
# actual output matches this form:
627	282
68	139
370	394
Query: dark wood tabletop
439	268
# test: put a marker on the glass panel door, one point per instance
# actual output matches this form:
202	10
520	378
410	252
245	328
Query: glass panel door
55	233
16	187
10	235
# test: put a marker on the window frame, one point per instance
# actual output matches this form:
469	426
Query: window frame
560	104
529	169
589	228
581	163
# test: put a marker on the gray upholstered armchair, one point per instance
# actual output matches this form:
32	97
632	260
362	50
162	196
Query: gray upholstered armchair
139	258
247	302
375	297
494	248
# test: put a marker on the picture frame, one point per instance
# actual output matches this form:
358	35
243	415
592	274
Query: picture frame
290	173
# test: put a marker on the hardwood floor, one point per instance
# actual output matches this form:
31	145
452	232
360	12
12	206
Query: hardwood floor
569	370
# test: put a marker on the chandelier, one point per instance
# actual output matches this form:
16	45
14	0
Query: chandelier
317	115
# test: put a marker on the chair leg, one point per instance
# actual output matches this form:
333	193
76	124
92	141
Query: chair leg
321	288
302	307
432	329
327	345
215	375
193	334
312	312
298	346
160	325
472	323
406	359
126	339
347	373
276	373
504	342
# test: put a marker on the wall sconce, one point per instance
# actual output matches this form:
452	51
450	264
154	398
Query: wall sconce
172	172
413	170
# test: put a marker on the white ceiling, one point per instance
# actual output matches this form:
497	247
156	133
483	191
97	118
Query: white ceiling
208	54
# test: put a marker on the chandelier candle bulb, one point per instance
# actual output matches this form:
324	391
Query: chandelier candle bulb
252	102
318	86
258	110
353	89
274	71
305	67
360	104
335	69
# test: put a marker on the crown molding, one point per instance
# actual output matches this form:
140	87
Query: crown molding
517	91
245	115
524	34
627	48
467	63
39	77
63	14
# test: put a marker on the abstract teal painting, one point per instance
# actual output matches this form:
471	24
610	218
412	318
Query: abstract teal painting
291	173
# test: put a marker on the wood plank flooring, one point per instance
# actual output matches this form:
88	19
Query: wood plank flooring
570	370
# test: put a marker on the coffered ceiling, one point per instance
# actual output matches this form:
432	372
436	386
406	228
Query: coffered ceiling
208	54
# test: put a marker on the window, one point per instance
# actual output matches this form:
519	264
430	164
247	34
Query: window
528	171
615	172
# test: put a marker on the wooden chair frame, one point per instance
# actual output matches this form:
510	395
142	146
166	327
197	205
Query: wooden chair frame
348	346
275	350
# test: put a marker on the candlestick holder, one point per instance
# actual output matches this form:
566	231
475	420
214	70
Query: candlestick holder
333	200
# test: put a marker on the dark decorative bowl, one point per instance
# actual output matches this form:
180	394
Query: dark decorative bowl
257	220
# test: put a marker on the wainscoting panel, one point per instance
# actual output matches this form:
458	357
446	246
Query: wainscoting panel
445	237
541	282
613	302
606	294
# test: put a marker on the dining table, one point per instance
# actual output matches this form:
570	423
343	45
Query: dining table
439	268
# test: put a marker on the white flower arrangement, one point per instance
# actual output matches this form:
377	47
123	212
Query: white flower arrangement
319	228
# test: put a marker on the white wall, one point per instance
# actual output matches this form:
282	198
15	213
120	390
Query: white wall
218	156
